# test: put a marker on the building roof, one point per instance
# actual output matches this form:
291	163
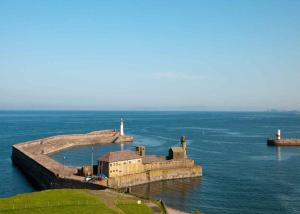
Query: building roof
119	156
177	149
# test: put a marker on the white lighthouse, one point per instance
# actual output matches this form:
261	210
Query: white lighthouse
121	127
278	134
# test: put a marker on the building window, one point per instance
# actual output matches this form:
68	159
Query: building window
110	164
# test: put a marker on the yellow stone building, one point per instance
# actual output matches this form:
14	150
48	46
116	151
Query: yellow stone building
136	166
120	163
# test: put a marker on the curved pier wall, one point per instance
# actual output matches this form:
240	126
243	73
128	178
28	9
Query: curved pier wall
44	178
31	157
47	179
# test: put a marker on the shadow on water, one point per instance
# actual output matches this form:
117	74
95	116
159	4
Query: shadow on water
30	180
167	190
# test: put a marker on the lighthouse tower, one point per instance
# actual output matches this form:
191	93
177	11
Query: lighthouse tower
278	134
121	127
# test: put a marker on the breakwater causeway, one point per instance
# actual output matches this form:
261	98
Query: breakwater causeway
32	158
115	170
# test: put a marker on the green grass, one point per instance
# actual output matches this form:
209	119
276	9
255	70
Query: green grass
131	206
72	201
54	201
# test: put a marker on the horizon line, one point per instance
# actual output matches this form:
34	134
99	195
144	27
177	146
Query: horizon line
144	110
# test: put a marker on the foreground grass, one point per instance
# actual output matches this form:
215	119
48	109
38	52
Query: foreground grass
130	206
67	201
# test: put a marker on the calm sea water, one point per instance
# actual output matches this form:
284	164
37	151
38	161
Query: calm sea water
240	173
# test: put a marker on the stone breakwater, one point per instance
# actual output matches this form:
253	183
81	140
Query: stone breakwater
32	158
284	142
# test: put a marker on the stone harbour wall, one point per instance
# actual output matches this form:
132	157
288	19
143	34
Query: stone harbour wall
31	157
43	178
154	175
166	164
284	142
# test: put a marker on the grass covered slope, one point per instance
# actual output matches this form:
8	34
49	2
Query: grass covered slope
71	201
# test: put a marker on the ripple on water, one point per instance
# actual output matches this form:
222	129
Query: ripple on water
148	141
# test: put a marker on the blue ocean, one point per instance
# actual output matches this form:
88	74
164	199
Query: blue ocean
241	174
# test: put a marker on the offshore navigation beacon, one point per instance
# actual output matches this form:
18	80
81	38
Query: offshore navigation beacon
279	141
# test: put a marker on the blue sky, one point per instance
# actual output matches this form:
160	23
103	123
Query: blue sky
150	55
